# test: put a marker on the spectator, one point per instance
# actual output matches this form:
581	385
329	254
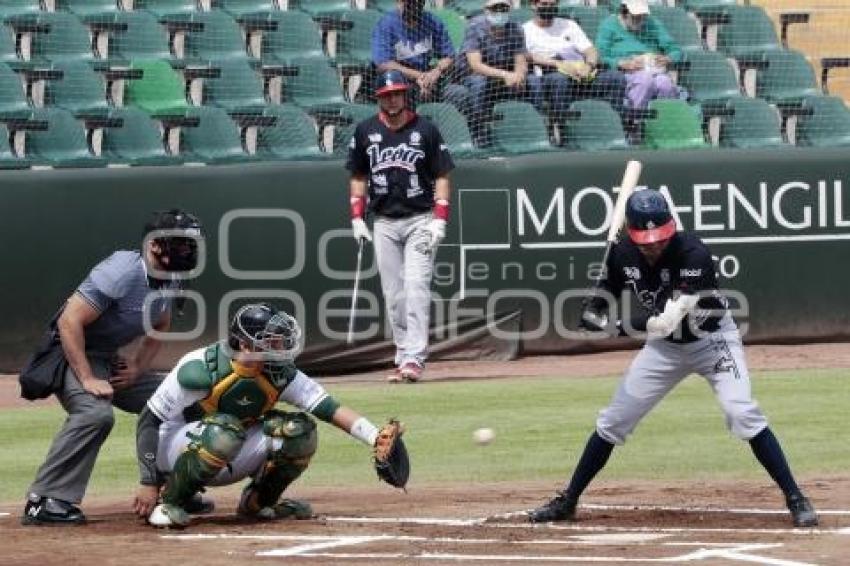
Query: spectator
566	63
495	62
408	40
636	43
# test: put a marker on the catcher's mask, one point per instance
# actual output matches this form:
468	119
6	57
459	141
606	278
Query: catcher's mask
272	336
177	235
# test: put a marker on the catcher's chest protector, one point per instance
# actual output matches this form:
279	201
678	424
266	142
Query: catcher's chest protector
237	390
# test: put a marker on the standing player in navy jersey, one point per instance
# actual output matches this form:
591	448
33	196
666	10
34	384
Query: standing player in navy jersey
400	168
689	330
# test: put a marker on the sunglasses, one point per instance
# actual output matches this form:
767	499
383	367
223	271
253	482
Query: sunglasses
499	8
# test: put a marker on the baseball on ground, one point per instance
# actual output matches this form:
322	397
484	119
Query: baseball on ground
483	436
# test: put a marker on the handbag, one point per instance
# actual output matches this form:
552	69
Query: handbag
44	372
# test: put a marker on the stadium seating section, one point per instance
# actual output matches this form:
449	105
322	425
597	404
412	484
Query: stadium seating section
94	83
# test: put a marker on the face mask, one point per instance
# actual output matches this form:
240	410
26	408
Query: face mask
547	13
498	19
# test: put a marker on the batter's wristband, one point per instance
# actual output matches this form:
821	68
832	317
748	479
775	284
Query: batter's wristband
358	207
441	209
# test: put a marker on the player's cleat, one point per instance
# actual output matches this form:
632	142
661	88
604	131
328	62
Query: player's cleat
411	372
394	376
165	515
560	508
284	509
802	511
199	505
49	511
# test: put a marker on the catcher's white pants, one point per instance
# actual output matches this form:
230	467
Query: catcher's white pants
174	439
406	265
661	365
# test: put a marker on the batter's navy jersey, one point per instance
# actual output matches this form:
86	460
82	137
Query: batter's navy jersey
685	267
401	165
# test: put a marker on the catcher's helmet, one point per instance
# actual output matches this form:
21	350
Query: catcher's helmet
271	333
177	234
648	217
391	81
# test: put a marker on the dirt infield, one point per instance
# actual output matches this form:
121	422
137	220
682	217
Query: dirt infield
716	523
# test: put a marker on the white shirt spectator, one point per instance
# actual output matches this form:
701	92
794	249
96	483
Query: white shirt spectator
564	39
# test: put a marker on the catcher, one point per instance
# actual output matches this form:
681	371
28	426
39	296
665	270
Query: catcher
213	422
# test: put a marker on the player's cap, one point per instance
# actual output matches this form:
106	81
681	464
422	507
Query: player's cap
391	81
648	217
491	3
637	7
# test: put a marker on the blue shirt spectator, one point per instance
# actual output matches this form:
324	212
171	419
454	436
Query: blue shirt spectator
412	44
498	51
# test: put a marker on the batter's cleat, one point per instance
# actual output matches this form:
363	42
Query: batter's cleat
411	372
284	509
48	511
561	508
394	376
802	511
166	515
199	505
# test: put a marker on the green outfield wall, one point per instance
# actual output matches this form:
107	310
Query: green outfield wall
525	234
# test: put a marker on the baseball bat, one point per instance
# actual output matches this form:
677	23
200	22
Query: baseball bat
618	218
350	338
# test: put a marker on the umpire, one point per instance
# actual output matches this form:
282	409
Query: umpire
105	313
400	160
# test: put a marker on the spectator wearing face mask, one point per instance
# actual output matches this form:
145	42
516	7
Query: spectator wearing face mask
565	63
640	46
416	43
495	60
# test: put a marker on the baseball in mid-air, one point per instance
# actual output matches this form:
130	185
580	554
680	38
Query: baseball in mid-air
483	436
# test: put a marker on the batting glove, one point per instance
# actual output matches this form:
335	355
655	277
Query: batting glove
436	230
360	230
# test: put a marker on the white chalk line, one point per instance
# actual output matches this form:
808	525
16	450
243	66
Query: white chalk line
678	509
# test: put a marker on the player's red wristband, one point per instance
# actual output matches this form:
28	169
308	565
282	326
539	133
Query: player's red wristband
441	209
358	207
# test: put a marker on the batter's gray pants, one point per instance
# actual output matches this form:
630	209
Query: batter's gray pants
661	365
66	471
406	266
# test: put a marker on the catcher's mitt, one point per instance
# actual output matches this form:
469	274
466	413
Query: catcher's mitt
390	455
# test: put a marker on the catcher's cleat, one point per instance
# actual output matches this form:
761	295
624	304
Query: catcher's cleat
561	508
49	511
199	505
394	376
411	372
166	515
802	511
284	509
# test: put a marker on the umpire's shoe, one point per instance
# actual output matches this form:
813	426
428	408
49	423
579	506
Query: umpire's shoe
802	511
49	511
561	508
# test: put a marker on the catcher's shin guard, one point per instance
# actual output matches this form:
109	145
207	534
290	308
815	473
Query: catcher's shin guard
297	435
217	444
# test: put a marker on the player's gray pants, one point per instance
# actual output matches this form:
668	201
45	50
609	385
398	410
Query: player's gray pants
66	471
406	267
661	365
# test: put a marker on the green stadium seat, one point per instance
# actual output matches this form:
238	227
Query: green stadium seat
317	8
162	8
144	38
467	8
587	17
316	87
354	43
676	125
753	124
86	9
827	126
700	5
748	32
160	91
709	77
682	27
452	126
8	159
518	128
593	125
355	113
81	90
11	8
220	39
382	5
238	89
216	140
64	142
8	51
67	39
243	8
13	100
521	15
455	25
786	77
297	37
137	142
293	136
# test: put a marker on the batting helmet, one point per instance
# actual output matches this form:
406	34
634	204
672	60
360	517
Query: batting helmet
391	81
177	233
270	332
648	217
